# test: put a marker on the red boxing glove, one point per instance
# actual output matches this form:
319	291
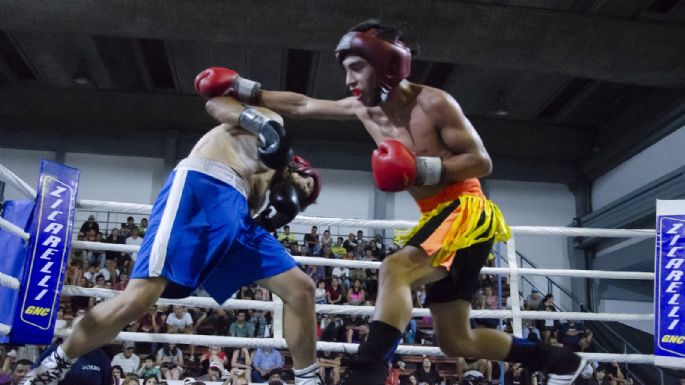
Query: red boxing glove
219	81
394	166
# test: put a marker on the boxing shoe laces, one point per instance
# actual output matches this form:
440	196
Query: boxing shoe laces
51	370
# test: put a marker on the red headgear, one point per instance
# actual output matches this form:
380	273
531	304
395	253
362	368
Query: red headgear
302	167
390	59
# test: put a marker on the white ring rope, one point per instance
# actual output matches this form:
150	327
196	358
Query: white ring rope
279	343
5	329
16	182
9	281
360	310
13	229
318	261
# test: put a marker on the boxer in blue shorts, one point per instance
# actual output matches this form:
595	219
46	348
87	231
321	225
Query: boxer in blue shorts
202	234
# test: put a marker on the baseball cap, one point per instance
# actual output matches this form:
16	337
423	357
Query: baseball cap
91	216
214	365
129	345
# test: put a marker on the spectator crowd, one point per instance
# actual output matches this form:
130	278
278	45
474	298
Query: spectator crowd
153	363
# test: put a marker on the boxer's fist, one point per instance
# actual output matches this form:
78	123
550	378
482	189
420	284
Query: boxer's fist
219	81
274	143
394	166
283	207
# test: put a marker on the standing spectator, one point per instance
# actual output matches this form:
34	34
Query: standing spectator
134	240
265	361
170	362
311	242
213	322
124	230
338	249
130	224
241	328
180	321
261	323
127	359
241	359
90	224
373	248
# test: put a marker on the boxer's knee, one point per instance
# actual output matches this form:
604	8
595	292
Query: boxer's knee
301	293
406	266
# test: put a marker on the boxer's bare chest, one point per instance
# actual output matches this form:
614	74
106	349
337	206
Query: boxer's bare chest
408	124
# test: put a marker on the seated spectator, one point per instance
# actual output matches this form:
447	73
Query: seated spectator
488	301
350	243
90	224
548	327
517	375
110	271
245	293
241	359
373	248
261	323
381	247
17	371
134	240
130	224
265	361
427	372
326	240
170	362
311	242
124	231
334	292
320	292
240	376
215	355
214	372
122	283
117	373
329	366
573	336
287	237
338	249
356	328
343	273
127	359
214	322
600	377
115	238
149	369
131	381
142	229
150	381
241	328
356	295
534	299
464	365
530	332
295	250
615	374
316	273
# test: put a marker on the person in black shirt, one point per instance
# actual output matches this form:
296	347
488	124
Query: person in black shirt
427	372
517	375
90	224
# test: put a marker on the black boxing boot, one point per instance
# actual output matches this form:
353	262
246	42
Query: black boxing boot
371	364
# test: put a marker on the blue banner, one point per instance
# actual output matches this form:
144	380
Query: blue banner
669	290
48	254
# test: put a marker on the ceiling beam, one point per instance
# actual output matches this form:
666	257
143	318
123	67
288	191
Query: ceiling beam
581	45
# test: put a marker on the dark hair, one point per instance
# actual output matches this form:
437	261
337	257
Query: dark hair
22	362
385	31
119	368
129	219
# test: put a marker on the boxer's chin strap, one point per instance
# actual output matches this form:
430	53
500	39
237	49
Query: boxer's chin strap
428	170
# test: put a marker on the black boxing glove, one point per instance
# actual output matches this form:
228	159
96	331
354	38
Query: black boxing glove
274	143
283	207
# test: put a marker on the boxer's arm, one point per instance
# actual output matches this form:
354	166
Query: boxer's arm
470	159
296	105
227	110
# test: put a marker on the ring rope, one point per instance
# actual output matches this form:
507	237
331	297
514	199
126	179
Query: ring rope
13	229
16	182
208	302
280	343
318	261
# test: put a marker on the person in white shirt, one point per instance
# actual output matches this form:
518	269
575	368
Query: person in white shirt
134	239
127	359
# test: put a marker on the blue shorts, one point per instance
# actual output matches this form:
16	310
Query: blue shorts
201	233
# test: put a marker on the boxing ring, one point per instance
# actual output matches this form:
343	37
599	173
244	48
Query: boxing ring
277	341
